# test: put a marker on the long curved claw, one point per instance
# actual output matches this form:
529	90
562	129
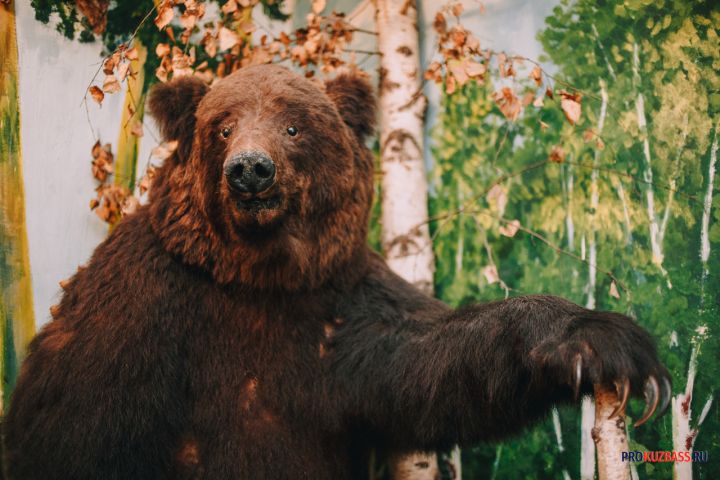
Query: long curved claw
652	396
623	392
578	376
666	395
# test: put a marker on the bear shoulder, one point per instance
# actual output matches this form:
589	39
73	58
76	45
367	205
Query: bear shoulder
130	281
382	296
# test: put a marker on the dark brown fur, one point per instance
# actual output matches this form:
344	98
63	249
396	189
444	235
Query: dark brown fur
207	341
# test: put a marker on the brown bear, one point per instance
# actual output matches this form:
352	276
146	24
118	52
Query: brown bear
239	326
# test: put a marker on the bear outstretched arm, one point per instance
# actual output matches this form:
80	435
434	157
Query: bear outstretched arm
425	378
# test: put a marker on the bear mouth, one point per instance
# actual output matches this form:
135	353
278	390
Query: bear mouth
255	204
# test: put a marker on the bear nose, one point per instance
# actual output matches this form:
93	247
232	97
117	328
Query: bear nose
250	171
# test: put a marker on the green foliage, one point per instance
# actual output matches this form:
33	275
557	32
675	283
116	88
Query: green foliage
477	150
69	20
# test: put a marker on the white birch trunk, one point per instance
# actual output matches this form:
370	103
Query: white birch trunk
626	211
611	70
611	437
587	445
618	185
558	436
683	435
655	247
707	205
558	429
569	224
405	234
608	457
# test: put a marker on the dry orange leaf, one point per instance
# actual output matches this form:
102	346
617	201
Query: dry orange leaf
162	49
440	24
102	161
188	20
457	9
528	99
146	180
285	39
123	70
111	62
570	104
164	150
318	6
457	69
459	36
170	33
536	75
434	72
475	69
161	73
96	94
111	84
165	16
137	128
472	43
450	85
508	103
497	198
247	26
227	39
510	229
229	7
491	274
129	205
132	54
96	149
181	63
557	154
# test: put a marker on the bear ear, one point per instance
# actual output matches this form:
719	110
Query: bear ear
354	99
173	105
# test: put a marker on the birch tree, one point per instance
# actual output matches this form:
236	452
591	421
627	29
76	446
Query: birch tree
655	244
405	235
588	409
684	436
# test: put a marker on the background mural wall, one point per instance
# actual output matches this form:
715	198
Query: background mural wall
614	206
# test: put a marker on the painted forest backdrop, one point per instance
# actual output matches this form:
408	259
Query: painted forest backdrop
587	171
633	195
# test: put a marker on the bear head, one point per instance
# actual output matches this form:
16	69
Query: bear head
271	183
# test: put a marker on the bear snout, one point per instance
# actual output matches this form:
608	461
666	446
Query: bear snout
250	171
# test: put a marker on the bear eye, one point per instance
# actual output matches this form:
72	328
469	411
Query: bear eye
225	132
292	131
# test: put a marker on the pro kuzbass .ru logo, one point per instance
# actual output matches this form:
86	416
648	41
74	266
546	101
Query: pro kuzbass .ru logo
665	457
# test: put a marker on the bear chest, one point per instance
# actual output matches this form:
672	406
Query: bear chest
258	369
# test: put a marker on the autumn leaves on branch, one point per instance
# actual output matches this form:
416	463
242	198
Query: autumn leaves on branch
211	48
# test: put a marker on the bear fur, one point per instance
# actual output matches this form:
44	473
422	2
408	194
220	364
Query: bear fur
223	335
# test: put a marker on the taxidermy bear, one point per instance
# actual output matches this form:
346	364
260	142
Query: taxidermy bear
239	326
